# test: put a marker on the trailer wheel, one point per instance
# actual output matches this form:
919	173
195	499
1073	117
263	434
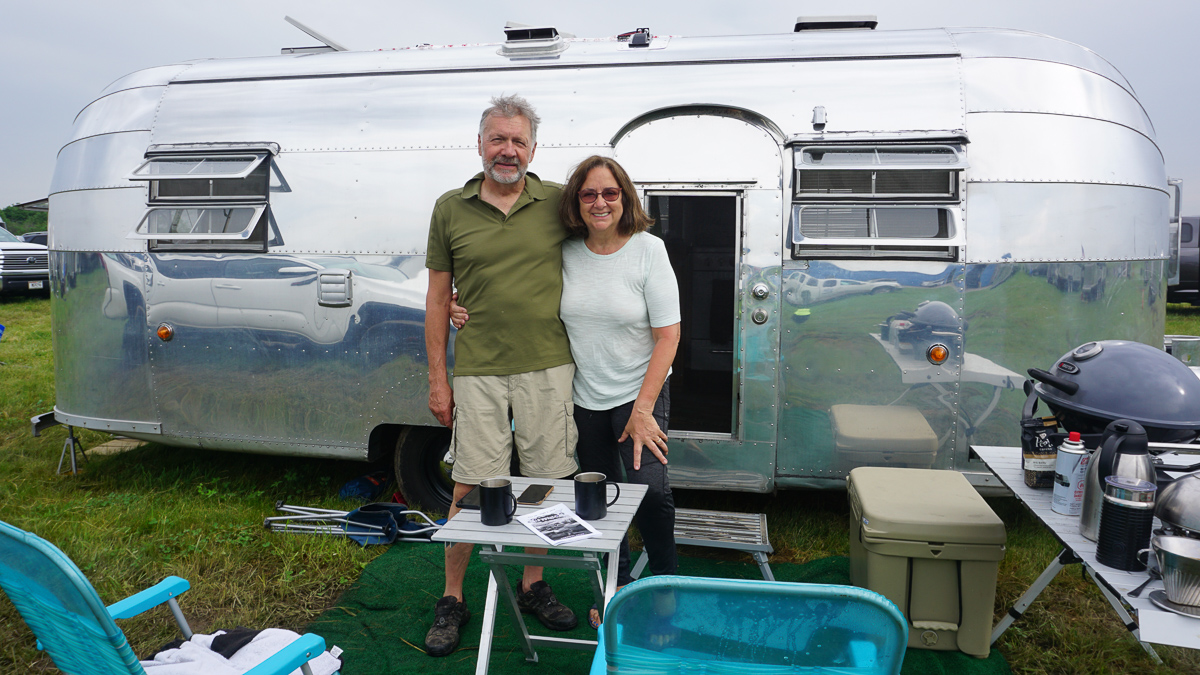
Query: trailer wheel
421	468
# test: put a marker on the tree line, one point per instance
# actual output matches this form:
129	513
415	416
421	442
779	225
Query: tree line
20	221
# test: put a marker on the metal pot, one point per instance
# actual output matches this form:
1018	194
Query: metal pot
1099	382
1179	562
1179	506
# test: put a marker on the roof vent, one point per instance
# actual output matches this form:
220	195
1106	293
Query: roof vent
526	41
516	32
636	38
858	22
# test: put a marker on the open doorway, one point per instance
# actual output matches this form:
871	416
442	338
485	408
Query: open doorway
701	235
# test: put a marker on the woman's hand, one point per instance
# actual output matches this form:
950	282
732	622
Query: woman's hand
458	314
644	431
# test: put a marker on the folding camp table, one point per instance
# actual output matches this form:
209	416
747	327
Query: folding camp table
1152	624
465	527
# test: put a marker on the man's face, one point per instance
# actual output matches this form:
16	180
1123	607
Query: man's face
506	148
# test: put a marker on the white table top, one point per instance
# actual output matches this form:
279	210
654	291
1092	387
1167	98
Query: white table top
975	368
1156	625
465	525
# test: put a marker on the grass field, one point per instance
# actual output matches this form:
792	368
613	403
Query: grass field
130	519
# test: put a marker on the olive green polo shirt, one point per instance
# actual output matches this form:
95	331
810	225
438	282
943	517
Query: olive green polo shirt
508	271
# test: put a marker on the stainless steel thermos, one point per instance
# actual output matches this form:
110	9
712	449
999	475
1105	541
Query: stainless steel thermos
1124	452
1126	518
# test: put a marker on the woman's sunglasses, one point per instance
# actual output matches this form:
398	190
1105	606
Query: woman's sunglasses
609	194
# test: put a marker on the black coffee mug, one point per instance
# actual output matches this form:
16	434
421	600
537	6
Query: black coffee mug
496	501
590	493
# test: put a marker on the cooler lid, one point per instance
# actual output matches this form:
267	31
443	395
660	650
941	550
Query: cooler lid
922	505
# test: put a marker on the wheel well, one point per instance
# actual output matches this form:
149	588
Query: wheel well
382	441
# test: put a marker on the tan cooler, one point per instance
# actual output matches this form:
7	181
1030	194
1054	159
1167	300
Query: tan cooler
927	541
881	435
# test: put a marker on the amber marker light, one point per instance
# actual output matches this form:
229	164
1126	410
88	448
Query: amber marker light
165	332
937	354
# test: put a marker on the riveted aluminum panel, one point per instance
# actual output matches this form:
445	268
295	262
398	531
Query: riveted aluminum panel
1020	85
976	43
590	51
667	151
422	111
383	199
364	202
251	339
129	110
99	161
282	447
98	323
833	351
149	77
1027	315
97	220
1023	222
1037	148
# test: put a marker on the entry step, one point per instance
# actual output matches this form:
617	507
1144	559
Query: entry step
721	529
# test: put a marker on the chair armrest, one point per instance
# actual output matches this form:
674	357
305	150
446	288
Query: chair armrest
302	650
151	597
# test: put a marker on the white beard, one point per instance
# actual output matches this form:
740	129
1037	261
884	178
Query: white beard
489	169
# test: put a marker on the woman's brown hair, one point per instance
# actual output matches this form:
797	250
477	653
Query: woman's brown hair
633	217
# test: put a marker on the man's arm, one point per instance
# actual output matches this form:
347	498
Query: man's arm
437	335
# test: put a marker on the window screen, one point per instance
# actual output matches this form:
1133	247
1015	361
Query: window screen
205	201
899	172
834	223
883	231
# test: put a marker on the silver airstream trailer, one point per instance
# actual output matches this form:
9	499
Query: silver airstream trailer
875	234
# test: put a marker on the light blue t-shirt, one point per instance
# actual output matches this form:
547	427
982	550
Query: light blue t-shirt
609	303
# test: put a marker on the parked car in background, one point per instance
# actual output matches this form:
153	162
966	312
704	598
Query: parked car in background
1188	288
35	237
24	267
805	289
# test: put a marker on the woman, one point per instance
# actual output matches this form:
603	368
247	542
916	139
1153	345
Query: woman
620	305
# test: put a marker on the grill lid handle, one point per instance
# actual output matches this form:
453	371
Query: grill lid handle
1066	386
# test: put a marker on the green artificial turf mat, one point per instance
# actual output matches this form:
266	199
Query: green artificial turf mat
380	622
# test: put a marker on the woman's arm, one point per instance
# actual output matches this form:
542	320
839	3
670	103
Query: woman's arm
642	427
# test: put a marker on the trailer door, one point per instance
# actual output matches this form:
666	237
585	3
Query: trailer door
712	184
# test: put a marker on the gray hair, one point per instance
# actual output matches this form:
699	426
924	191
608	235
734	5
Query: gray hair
509	107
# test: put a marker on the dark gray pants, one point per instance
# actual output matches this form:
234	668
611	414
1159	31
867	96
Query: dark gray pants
599	451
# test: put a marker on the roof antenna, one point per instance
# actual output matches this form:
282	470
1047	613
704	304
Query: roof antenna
330	44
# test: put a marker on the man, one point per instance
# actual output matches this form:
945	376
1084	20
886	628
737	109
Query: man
498	239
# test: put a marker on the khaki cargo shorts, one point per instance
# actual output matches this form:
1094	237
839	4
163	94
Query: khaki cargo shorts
542	424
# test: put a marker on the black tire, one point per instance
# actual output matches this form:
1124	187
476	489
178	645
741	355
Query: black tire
421	470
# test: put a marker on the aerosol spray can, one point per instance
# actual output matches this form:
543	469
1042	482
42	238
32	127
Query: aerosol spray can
1070	467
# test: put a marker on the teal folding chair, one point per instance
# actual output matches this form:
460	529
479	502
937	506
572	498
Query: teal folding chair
671	624
77	630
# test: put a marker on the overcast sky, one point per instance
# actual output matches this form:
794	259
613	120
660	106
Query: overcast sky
56	55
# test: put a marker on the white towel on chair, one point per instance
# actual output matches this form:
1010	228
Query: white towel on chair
195	657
